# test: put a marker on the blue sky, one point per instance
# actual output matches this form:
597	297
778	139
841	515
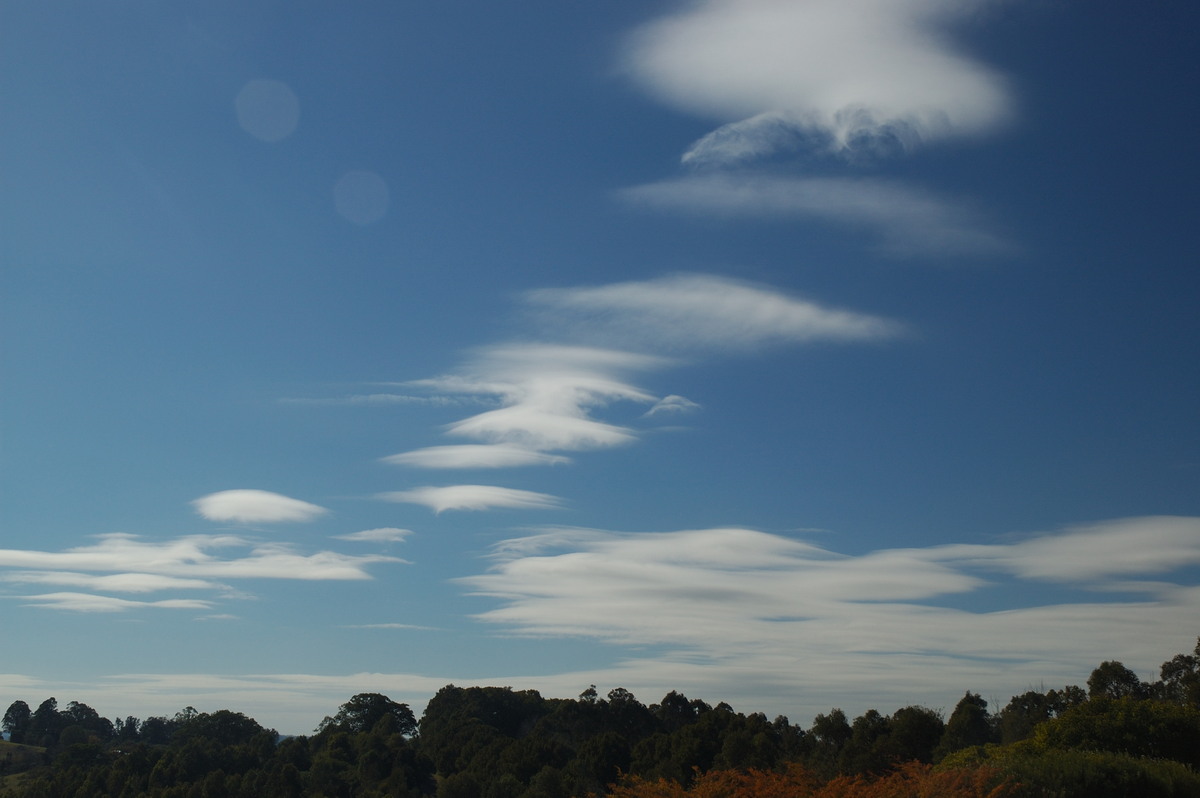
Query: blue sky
795	355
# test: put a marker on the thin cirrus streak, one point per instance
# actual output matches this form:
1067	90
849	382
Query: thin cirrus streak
905	220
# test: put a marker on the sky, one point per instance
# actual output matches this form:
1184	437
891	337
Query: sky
796	354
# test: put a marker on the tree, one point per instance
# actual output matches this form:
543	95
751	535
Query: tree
1180	680
46	724
969	724
1127	725
87	718
1023	713
916	731
830	733
16	721
363	711
1114	680
222	726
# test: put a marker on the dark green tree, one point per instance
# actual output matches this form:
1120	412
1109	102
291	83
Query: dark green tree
830	733
915	733
866	751
364	710
223	727
1023	714
87	718
46	724
16	721
1114	680
1180	678
969	724
1139	727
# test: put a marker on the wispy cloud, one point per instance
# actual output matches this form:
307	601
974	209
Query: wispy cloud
547	393
1103	551
124	563
693	312
117	583
905	220
255	506
385	534
473	497
193	557
786	611
475	456
548	397
87	602
853	73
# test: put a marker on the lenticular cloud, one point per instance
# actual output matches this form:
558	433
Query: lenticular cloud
473	497
255	506
852	72
692	311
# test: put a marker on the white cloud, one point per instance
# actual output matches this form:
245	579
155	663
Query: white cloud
700	312
118	583
907	221
385	534
473	497
890	625
475	456
547	396
255	506
1107	550
852	73
547	393
192	558
87	602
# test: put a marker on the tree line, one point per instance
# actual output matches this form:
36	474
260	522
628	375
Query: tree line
1118	736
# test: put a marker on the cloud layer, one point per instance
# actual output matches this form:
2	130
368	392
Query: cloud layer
787	612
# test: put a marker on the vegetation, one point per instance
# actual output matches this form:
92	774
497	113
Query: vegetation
1119	737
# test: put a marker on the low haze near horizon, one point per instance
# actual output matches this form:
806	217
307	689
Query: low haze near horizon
795	355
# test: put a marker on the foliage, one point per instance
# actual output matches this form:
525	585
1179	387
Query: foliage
363	711
1056	773
1144	728
906	781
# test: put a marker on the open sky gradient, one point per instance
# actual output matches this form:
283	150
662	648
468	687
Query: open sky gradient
808	354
